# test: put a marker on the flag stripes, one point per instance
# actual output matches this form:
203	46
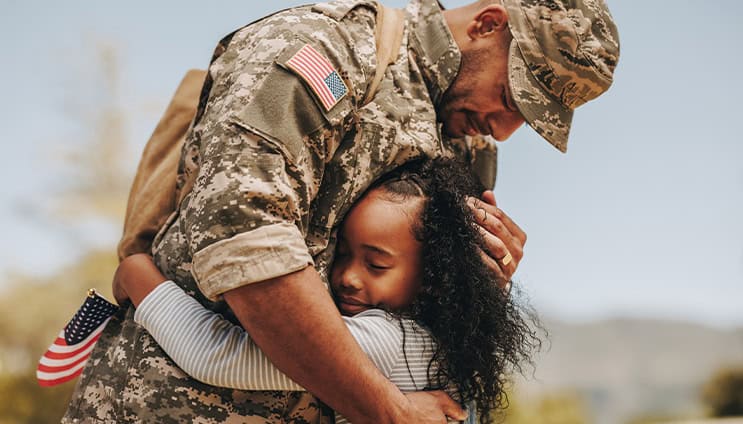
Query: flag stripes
319	74
66	357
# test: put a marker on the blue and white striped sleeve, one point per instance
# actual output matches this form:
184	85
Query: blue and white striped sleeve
379	336
217	352
205	345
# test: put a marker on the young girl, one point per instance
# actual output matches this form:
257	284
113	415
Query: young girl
409	279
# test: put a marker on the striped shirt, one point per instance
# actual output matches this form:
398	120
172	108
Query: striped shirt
217	352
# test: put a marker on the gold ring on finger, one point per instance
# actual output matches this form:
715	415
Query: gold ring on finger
506	259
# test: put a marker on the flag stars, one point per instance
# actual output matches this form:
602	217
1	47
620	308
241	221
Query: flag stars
68	354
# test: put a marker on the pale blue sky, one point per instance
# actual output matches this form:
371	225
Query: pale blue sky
641	218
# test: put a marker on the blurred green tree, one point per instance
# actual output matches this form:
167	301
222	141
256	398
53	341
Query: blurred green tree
723	392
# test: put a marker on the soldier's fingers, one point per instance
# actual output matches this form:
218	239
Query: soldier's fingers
513	228
487	217
497	223
488	204
500	256
500	278
449	407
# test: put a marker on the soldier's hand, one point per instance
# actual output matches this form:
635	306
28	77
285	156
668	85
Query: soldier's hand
432	407
504	240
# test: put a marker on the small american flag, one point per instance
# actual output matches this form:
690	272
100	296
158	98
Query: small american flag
319	74
68	354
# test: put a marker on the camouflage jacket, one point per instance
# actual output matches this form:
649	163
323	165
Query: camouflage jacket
276	171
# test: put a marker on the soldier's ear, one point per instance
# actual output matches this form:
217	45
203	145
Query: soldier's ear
487	22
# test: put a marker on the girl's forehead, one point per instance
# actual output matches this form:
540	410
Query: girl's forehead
379	216
392	199
380	199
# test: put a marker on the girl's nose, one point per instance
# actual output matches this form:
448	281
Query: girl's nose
350	279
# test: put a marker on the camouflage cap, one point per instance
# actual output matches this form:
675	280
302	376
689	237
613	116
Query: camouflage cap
563	54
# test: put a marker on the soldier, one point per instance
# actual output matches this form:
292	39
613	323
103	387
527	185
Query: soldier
283	144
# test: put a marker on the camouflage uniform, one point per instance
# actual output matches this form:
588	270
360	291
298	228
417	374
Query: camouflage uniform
276	169
276	173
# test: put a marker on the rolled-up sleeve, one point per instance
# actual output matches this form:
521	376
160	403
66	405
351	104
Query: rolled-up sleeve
247	215
246	218
267	252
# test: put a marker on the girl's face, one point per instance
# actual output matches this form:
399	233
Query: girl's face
377	262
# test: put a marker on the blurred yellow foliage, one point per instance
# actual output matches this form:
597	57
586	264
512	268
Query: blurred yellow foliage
35	310
559	407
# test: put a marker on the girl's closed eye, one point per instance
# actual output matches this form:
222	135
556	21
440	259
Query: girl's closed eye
379	259
378	266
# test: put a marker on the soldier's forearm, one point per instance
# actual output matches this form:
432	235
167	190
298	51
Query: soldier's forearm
296	324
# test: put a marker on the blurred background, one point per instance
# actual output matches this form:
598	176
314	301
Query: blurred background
635	251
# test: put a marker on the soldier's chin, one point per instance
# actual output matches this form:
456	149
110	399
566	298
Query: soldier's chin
453	129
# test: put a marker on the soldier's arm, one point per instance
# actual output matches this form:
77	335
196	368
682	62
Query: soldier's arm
296	324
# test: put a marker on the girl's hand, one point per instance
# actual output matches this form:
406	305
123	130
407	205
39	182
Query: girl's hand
120	294
135	278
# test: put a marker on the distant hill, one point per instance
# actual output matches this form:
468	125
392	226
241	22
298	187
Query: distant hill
626	368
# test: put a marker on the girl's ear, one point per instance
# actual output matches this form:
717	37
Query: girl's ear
487	22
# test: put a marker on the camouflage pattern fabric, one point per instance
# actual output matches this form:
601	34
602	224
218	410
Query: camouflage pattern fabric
563	54
275	173
124	383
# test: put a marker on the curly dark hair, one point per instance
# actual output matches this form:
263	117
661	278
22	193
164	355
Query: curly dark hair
482	334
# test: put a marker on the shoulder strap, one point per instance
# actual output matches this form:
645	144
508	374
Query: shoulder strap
388	38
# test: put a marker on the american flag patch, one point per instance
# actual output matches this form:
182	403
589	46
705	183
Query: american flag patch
68	354
319	74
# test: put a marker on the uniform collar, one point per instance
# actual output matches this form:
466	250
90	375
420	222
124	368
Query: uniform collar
434	47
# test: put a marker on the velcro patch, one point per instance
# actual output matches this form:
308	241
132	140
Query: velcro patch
319	74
